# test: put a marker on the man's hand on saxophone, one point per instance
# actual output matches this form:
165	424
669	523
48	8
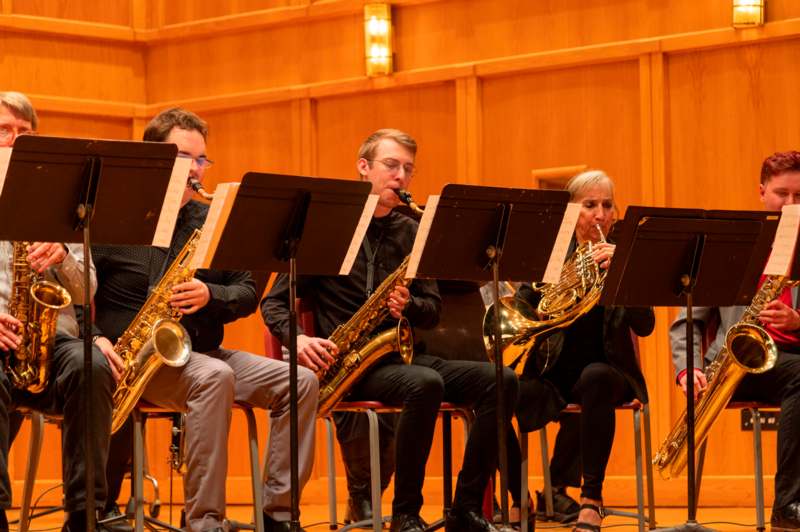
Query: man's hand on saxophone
315	353
700	382
191	296
398	301
9	325
114	360
780	316
42	255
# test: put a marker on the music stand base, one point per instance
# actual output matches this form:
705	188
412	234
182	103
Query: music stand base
688	526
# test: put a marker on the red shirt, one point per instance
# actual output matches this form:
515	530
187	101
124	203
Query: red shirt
782	337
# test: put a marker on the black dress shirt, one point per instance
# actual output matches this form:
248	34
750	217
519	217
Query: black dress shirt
125	275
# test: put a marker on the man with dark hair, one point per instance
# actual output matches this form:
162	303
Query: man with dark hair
780	185
421	386
214	377
64	389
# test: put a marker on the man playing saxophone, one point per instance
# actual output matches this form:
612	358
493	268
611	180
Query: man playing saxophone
386	160
780	185
63	387
214	377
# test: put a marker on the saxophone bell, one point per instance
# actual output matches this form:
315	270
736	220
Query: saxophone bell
171	342
197	186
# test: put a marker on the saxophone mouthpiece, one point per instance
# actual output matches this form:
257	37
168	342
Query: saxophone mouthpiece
197	186
405	197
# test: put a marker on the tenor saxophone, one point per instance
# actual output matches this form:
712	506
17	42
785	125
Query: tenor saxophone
358	351
748	349
154	337
36	303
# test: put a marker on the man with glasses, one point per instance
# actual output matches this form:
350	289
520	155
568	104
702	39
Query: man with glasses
64	391
386	160
214	377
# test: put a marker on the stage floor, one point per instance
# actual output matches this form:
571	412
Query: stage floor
314	517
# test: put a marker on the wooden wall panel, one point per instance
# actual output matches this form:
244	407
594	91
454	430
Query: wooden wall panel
67	67
177	12
427	113
586	115
63	125
727	110
117	12
283	55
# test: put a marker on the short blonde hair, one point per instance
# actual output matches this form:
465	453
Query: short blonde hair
20	105
370	145
587	179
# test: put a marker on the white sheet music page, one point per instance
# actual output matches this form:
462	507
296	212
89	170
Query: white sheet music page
553	271
172	202
780	259
358	235
5	158
218	212
422	236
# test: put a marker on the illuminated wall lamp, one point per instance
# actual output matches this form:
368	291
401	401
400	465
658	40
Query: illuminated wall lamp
378	39
748	13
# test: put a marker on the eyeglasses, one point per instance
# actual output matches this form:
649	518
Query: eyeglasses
8	132
393	165
201	162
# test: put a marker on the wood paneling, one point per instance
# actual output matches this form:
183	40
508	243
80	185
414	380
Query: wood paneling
177	12
116	12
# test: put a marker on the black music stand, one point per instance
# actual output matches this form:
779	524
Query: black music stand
685	257
292	224
487	234
57	188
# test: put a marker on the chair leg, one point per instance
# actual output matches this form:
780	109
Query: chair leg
333	520
759	469
375	469
524	510
255	475
637	443
548	487
138	471
701	458
447	463
34	453
648	452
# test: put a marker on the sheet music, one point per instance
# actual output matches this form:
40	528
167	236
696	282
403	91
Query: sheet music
552	273
780	260
172	202
218	212
5	158
358	235
422	236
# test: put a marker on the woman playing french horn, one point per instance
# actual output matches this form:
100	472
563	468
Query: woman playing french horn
591	362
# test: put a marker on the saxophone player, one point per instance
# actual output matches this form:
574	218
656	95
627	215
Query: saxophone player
386	159
780	185
64	265
214	377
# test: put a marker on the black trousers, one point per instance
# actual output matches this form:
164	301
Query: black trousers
420	388
599	389
63	396
781	386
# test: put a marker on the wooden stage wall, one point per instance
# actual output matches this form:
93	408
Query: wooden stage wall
664	95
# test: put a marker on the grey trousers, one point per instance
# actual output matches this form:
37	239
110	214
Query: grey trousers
205	388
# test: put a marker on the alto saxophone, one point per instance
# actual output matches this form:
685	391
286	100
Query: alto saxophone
357	350
154	337
748	349
36	303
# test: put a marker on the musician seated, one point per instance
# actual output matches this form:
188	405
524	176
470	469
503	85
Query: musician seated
63	387
780	185
592	362
386	160
214	377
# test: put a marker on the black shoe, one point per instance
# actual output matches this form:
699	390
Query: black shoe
786	518
468	521
115	521
358	509
565	508
271	525
407	523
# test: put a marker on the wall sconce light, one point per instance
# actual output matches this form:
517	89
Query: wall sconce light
378	39
748	13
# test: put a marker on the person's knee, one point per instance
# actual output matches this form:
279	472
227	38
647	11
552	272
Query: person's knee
428	386
307	383
217	377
